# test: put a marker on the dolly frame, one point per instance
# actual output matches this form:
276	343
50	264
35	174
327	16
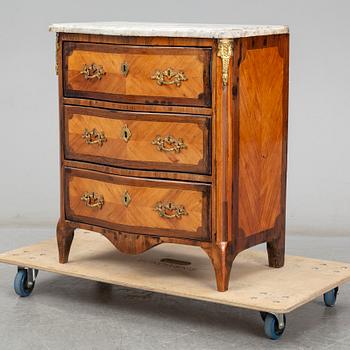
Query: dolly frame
185	271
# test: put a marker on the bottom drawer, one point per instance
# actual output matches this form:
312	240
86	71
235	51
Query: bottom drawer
163	208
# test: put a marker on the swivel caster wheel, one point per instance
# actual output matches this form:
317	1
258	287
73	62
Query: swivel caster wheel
330	297
25	281
263	315
274	324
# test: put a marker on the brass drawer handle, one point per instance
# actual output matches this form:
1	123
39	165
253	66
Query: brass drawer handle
169	144
93	200
94	137
169	77
170	210
92	71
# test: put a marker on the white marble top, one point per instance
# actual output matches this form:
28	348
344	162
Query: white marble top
193	30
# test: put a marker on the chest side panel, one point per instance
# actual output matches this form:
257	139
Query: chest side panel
262	133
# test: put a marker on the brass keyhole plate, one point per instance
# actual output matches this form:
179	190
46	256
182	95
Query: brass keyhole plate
126	198
124	68
125	133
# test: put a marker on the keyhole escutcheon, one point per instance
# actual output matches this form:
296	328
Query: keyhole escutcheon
126	198
125	133
124	68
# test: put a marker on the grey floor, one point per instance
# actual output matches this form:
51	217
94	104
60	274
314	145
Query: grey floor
70	313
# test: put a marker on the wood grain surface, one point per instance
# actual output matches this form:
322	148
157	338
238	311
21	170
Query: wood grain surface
138	40
140	215
150	174
261	126
138	151
138	85
136	107
232	174
254	285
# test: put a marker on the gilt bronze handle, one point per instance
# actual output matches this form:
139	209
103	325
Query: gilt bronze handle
92	71
94	137
169	77
169	144
170	210
93	200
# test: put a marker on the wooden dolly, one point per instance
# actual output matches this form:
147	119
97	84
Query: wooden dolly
186	272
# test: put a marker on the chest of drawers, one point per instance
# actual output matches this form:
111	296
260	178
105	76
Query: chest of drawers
174	134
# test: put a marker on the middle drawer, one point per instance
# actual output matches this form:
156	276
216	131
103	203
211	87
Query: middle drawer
138	140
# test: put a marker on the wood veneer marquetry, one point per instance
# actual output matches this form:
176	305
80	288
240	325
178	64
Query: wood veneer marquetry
137	107
150	174
139	40
148	239
261	138
249	171
140	215
138	151
138	85
234	181
262	144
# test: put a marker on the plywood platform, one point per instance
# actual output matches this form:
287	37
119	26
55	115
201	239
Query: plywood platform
253	284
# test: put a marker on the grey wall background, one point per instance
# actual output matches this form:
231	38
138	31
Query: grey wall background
319	127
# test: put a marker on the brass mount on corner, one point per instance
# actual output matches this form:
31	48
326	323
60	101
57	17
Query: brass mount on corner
225	52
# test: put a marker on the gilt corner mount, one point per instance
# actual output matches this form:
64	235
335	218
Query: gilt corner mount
225	52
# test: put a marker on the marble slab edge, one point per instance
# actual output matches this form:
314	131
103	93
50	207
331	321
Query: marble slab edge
211	31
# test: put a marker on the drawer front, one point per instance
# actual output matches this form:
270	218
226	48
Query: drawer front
165	208
153	75
138	140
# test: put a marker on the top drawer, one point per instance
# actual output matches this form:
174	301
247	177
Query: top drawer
137	74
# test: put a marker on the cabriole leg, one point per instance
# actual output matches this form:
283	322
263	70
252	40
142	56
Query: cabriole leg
276	247
276	251
65	235
222	258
